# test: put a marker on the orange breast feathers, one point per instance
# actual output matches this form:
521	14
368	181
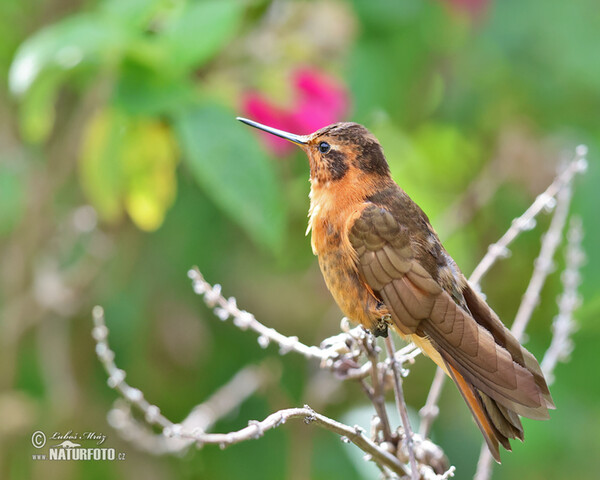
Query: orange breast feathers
331	217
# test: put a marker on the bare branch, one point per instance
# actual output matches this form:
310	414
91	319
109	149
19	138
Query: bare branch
377	391
257	429
202	417
564	324
484	464
401	405
116	376
543	264
333	353
226	308
430	410
527	220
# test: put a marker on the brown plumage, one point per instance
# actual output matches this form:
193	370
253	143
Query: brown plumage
384	264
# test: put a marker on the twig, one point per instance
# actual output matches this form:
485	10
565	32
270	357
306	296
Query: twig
332	352
484	464
527	220
116	380
430	410
202	417
377	391
116	376
543	264
349	434
500	250
226	308
401	405
564	325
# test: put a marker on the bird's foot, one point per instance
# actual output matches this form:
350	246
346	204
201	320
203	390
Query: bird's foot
380	329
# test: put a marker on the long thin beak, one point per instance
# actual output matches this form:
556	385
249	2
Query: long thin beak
297	139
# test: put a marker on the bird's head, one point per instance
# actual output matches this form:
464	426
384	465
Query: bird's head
336	151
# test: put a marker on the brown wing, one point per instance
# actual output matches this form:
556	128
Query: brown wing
403	269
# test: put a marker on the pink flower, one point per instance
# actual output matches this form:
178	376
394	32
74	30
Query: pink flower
319	101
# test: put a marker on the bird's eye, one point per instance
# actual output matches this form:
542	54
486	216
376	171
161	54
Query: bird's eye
324	147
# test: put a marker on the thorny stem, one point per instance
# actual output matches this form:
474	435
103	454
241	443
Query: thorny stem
499	250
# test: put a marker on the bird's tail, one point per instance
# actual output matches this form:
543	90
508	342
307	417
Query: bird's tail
497	423
498	417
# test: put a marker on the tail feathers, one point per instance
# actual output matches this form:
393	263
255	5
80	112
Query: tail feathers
504	420
497	423
487	318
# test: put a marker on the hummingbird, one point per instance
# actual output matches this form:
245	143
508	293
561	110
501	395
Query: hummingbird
385	267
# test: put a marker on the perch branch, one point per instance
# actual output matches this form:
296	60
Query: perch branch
333	353
401	405
376	392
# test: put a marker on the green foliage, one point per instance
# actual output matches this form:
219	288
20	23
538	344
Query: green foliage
181	45
151	48
233	171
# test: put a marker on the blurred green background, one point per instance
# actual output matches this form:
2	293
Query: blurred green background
122	166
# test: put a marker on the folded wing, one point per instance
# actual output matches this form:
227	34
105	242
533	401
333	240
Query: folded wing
409	271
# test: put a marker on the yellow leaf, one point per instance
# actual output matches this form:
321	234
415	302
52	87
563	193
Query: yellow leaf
129	164
100	165
150	158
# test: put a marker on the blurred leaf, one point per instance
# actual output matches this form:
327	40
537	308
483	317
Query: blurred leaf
150	158
133	13
37	112
129	164
64	45
143	91
12	198
100	163
227	162
199	30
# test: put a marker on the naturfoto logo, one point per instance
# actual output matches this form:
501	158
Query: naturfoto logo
71	447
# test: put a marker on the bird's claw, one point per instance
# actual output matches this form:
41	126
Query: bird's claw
381	327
